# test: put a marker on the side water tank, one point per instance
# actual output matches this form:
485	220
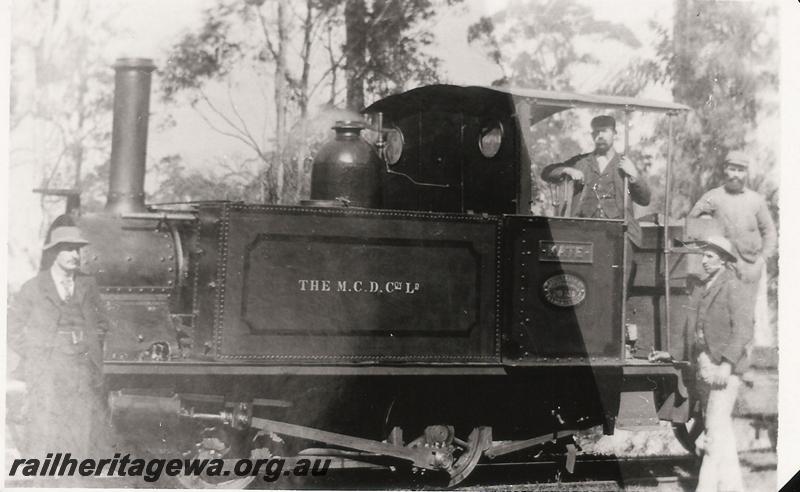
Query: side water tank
346	170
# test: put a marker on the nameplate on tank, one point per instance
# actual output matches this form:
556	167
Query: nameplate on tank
566	251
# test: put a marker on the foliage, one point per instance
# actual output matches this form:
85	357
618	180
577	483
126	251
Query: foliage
535	44
720	60
236	183
60	112
63	95
396	57
295	49
201	56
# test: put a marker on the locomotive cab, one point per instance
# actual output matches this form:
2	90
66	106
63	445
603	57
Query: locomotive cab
466	150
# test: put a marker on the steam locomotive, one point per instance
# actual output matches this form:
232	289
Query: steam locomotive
412	312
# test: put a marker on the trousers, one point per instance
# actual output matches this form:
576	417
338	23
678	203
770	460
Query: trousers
720	469
763	335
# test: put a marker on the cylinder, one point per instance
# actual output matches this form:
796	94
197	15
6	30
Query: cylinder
347	169
129	135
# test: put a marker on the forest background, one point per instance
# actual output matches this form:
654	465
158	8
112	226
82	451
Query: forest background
246	90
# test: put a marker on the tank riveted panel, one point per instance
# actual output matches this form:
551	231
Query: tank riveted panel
346	170
304	284
566	279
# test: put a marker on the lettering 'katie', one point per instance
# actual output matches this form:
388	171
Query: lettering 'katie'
368	286
566	251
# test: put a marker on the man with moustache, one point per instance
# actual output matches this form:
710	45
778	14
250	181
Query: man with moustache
56	323
747	223
600	179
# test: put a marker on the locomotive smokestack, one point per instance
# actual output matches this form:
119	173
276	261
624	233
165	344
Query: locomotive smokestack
129	138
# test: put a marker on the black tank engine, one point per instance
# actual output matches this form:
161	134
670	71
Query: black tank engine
412	303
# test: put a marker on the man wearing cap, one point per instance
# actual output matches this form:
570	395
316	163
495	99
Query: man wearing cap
56	323
747	223
600	179
716	320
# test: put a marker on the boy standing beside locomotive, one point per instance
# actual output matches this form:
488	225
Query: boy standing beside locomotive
717	317
56	323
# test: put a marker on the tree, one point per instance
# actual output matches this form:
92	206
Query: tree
61	86
276	44
60	111
534	43
721	60
397	33
234	181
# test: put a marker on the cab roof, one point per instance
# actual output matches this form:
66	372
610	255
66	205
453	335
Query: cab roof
480	100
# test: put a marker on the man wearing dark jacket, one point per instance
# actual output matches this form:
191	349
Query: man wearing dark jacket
599	178
56	323
717	317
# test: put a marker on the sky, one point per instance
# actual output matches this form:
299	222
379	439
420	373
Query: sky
149	35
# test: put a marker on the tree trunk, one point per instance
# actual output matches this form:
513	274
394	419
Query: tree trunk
334	69
355	14
681	32
308	26
281	96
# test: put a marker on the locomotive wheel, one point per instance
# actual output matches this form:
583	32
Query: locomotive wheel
458	458
480	439
688	432
214	444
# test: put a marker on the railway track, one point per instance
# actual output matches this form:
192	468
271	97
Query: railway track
591	473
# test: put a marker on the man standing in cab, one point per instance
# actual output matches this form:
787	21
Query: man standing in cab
599	178
747	223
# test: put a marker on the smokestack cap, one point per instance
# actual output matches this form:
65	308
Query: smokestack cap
138	63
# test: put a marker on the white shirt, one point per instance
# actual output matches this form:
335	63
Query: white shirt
603	160
65	283
712	279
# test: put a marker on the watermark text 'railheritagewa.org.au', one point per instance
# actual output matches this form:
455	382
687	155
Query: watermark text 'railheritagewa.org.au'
64	465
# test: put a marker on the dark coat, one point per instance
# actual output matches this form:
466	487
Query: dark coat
33	319
587	164
720	316
65	401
